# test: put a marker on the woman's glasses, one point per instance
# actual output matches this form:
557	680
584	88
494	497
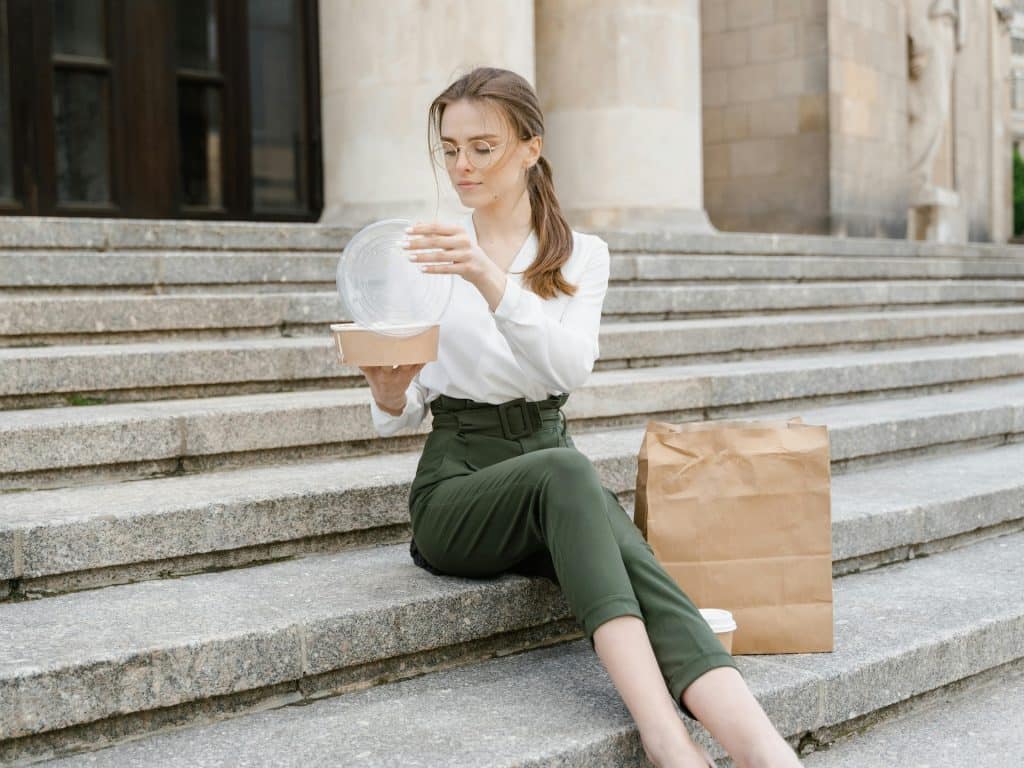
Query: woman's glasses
479	153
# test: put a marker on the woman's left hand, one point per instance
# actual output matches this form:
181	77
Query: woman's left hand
468	259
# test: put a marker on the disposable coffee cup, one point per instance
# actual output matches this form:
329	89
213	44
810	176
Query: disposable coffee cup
722	624
361	346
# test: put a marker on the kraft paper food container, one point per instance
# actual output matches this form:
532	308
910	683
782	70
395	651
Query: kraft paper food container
361	346
722	624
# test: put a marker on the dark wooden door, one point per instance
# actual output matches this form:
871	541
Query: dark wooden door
160	108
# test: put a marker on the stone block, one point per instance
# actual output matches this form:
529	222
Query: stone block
813	113
221	633
812	37
978	584
736	121
755	157
716	161
787	9
773	42
714	16
900	632
777	117
986	713
62	438
748	13
715	87
860	82
711	126
924	500
751	83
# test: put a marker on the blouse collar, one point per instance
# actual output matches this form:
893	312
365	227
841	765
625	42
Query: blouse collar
527	253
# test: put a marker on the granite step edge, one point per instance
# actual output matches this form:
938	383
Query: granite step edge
557	703
257	428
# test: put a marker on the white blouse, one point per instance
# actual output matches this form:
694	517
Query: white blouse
528	347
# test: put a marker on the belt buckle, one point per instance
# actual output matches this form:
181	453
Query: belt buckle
528	417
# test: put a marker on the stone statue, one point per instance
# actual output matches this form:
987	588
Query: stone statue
935	29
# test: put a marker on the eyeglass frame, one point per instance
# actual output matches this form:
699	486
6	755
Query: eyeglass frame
460	146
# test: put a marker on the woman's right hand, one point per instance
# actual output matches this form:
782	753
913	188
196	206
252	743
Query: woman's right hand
388	384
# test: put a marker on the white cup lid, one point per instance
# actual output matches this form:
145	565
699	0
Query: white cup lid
719	619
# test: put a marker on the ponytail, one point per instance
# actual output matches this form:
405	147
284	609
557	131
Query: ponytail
554	235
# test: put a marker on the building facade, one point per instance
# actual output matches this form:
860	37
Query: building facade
744	115
159	109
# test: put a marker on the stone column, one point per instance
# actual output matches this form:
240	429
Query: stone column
1001	116
619	83
381	64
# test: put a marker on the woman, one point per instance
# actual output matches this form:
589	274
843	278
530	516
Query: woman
500	485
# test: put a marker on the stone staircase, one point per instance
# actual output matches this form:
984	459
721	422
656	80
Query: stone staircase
199	526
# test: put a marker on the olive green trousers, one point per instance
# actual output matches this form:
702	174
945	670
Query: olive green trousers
503	488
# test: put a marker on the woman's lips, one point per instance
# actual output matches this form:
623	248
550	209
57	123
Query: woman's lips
468	184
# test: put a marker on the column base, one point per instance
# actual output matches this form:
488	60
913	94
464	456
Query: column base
939	219
358	215
645	219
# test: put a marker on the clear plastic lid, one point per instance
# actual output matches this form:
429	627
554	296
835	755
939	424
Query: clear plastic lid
385	292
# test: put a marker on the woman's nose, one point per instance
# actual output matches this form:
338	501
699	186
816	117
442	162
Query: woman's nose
462	159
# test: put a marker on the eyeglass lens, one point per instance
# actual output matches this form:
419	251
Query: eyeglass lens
479	153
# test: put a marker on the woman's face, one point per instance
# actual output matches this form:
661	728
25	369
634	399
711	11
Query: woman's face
463	122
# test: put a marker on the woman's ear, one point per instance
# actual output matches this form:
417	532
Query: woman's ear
531	159
535	149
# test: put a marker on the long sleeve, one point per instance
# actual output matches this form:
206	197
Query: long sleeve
561	355
412	415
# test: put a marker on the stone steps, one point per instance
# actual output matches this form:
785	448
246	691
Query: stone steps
76	272
106	373
191	650
118	316
88	536
100	235
976	722
63	272
45	447
284	576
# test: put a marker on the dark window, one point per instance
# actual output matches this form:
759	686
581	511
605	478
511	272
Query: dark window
6	169
78	28
197	34
80	121
199	122
81	101
278	120
200	105
160	108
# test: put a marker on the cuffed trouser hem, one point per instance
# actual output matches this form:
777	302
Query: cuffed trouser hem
606	610
682	679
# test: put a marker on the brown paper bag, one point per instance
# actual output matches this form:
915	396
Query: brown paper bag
739	514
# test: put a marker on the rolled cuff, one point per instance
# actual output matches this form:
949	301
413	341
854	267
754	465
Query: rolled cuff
506	308
613	607
385	423
681	680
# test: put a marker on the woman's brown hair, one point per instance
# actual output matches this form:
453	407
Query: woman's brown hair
515	98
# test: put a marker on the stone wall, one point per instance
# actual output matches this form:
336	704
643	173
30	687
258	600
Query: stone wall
867	54
973	104
765	94
784	116
805	118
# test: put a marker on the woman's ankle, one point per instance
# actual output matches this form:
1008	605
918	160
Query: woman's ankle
775	753
674	749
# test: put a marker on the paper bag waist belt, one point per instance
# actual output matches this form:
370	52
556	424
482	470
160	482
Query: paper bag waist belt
514	419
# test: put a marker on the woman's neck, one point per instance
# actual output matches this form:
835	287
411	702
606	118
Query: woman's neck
509	225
